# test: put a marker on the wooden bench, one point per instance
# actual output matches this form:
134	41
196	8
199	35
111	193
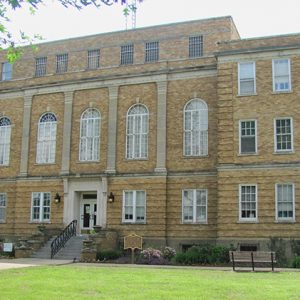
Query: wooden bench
252	257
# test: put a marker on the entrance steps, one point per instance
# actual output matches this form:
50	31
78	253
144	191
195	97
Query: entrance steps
71	251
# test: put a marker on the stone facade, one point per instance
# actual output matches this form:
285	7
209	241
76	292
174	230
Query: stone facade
166	174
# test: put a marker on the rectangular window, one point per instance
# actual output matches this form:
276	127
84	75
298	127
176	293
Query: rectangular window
61	63
194	206
283	135
285	202
93	59
40	66
2	208
134	206
246	73
40	207
248	202
127	54
6	71
151	51
281	75
248	137
196	46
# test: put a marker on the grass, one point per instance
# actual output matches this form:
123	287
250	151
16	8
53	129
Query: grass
89	282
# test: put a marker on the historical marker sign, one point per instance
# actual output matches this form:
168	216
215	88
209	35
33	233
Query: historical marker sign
7	247
133	241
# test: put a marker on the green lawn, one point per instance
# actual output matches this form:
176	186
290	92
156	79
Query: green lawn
83	282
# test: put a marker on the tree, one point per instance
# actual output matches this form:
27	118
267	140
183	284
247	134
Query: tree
12	43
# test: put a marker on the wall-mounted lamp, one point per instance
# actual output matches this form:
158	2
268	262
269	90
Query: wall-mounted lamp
111	197
57	198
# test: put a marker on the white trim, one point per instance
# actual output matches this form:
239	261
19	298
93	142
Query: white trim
254	78
254	219
137	134
41	206
133	221
240	136
4	207
275	136
289	75
293	219
194	221
202	152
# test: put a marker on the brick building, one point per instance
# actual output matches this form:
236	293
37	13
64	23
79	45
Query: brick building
192	130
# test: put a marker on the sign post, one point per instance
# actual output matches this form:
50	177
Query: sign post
133	242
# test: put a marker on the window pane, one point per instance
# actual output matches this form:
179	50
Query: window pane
151	51
248	201
285	201
127	54
196	46
281	69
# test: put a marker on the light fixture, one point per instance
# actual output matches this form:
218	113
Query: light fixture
111	197
57	198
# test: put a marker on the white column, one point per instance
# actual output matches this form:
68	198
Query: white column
26	134
112	129
66	147
161	147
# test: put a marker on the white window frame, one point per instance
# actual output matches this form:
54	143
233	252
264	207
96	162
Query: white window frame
278	90
240	136
46	139
248	219
3	206
5	137
196	46
284	219
190	134
137	137
6	71
134	207
90	118
42	207
127	54
250	79
93	59
194	206
151	51
276	150
40	66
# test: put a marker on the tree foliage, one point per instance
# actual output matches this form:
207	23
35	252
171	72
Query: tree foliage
7	7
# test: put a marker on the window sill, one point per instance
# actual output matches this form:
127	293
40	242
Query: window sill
133	223
284	152
2	222
194	223
247	221
45	164
282	92
195	156
246	95
137	159
248	154
87	161
285	221
40	222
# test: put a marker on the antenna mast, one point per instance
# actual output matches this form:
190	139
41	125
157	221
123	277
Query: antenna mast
130	10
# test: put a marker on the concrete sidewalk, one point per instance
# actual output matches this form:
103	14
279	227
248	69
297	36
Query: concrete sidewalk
31	262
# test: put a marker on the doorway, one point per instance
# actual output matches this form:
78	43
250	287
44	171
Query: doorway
88	212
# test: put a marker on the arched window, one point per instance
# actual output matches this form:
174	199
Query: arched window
46	142
5	131
195	128
137	132
89	148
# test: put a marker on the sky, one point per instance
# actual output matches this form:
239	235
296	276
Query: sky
252	18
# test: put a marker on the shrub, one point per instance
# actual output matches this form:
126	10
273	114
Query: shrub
108	255
204	254
168	253
296	262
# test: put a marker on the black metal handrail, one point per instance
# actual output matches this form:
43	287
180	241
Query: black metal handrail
60	241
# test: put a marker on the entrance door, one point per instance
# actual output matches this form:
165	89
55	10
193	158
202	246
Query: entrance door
88	212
